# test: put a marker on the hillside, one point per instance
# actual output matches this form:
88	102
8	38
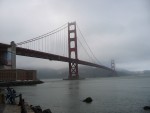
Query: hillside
85	72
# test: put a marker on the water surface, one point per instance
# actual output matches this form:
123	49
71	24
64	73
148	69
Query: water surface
110	95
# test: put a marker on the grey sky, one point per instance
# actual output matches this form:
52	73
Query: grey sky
118	29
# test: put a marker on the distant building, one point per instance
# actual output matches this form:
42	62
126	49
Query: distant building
17	74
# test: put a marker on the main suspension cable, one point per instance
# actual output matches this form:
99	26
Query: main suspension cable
44	35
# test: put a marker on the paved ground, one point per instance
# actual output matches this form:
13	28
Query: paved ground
2	108
11	109
7	108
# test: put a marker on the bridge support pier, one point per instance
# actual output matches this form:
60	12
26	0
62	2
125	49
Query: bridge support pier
8	56
12	51
72	51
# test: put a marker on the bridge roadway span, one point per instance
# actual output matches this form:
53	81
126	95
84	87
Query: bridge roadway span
37	54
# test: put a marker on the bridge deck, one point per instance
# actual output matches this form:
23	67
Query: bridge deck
43	55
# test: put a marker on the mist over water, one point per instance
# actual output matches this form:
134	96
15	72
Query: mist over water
110	95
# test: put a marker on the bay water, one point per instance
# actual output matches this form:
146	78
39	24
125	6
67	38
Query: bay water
110	95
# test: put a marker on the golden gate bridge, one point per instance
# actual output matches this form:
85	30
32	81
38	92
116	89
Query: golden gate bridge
62	44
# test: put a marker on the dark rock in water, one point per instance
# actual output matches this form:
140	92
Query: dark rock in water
146	107
36	109
47	111
88	100
31	106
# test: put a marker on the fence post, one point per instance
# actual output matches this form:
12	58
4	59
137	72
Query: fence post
22	104
20	99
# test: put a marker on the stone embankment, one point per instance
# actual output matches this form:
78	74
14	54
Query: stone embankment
19	83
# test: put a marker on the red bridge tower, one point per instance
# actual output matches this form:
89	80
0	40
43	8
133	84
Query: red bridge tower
72	51
113	65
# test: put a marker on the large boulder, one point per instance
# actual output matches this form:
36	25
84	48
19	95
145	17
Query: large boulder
47	111
36	109
146	107
88	100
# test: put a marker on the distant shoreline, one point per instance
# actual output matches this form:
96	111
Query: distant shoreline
20	83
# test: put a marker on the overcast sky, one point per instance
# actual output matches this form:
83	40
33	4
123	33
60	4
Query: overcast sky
118	29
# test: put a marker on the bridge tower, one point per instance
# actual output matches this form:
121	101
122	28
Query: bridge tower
113	65
72	51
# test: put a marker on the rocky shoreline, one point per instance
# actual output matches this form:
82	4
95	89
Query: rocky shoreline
20	83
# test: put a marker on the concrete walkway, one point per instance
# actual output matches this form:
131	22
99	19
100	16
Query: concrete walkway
2	106
11	109
8	108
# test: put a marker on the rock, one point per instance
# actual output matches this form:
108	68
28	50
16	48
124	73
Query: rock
88	100
36	109
146	107
31	106
47	111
